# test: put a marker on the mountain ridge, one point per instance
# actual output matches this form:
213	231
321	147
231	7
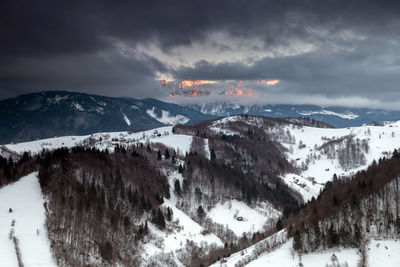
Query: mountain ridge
56	113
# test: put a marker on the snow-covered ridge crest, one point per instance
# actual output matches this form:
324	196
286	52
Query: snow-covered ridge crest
167	118
107	140
348	115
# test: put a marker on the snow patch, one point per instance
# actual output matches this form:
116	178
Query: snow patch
167	118
383	253
77	106
241	218
283	257
57	99
126	119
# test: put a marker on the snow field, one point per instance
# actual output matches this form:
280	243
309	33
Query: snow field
283	256
167	118
164	135
383	253
24	197
241	218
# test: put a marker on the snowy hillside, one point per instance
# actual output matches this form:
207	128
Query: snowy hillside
207	213
320	152
241	218
23	218
164	135
317	152
379	253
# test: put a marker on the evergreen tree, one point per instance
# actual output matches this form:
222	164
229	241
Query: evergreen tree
357	235
158	219
279	225
167	156
177	187
180	169
297	242
333	237
169	214
212	154
200	212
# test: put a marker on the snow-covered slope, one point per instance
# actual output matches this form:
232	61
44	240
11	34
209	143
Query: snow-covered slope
378	253
321	152
241	218
167	118
315	151
26	201
164	135
184	229
330	258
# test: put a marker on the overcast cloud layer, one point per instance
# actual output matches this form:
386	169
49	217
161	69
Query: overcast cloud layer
323	52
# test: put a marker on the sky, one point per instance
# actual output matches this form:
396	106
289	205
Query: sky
248	51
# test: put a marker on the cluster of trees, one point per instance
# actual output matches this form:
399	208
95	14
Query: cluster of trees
349	211
11	170
99	203
349	151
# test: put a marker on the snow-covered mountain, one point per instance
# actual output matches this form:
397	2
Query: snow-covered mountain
334	115
226	186
58	113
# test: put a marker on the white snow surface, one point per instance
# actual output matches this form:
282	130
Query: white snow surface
24	197
274	240
283	256
347	115
241	218
126	119
378	253
207	149
167	118
181	143
77	106
383	253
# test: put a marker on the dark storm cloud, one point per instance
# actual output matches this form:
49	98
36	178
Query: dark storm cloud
101	74
45	27
366	71
71	44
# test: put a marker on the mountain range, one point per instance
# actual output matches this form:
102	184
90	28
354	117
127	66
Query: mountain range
59	113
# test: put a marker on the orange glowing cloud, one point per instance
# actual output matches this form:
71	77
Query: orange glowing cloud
190	83
239	90
268	82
